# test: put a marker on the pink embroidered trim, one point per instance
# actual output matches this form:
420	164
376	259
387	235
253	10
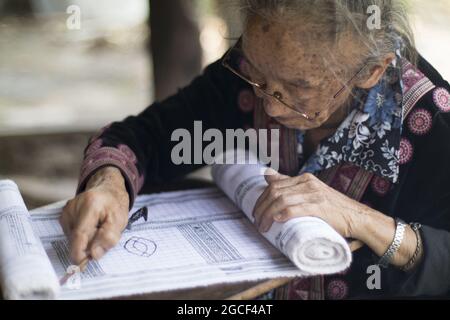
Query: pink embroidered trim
406	151
337	290
420	122
94	146
415	86
246	100
380	186
128	152
125	161
441	99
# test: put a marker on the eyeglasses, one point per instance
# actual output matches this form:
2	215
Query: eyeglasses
235	55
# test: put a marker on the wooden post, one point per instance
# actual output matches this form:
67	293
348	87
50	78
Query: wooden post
175	45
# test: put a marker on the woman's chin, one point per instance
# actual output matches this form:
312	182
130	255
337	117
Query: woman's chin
298	124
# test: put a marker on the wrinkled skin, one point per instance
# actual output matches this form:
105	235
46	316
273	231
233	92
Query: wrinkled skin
296	61
289	59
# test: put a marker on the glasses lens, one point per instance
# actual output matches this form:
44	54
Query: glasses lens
236	61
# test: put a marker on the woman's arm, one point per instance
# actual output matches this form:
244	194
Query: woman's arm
141	145
290	197
377	231
124	154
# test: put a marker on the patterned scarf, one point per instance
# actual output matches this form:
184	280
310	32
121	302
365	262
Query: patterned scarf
370	135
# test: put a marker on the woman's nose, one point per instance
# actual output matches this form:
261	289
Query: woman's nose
273	108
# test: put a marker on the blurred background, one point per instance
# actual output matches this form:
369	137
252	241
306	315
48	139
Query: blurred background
69	67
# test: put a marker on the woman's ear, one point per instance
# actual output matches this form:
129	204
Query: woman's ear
376	73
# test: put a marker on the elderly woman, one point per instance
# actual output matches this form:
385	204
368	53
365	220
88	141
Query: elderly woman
364	123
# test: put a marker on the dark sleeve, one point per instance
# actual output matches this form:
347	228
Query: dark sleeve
432	276
426	199
140	146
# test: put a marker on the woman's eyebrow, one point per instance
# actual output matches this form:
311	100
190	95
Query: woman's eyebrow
248	60
299	82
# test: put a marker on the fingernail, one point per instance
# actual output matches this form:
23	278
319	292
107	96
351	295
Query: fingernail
98	252
278	217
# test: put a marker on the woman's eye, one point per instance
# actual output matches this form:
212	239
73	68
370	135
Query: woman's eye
255	75
299	86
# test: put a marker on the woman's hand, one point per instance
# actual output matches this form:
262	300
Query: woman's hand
94	220
286	198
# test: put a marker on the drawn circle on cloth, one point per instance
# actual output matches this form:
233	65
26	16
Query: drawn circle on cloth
337	290
420	122
380	186
441	98
246	101
406	151
141	247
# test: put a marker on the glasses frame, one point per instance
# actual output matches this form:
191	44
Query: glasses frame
276	94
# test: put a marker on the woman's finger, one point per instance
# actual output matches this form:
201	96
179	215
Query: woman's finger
106	237
65	218
274	176
304	209
355	245
285	200
82	234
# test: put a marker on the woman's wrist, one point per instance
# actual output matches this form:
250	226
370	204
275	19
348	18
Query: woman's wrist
108	177
377	231
363	222
372	223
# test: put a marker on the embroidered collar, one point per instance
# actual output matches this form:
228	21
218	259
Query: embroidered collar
370	135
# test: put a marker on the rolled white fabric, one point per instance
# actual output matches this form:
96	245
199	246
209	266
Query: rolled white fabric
25	269
310	243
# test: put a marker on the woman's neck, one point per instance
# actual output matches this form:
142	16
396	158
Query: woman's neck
328	128
336	118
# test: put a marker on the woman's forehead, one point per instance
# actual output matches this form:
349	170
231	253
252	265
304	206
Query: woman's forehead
275	48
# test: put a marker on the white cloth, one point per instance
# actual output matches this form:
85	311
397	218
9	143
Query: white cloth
310	243
25	269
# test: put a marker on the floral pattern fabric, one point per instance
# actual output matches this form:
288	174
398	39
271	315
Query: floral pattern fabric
370	135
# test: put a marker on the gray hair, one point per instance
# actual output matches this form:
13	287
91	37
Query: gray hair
337	18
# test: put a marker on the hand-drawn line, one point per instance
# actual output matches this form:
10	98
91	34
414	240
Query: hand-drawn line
140	246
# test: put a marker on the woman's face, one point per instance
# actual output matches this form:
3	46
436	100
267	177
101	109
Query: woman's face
290	61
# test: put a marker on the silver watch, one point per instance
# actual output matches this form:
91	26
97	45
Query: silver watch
385	260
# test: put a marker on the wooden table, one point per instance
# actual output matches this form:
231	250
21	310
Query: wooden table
237	291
